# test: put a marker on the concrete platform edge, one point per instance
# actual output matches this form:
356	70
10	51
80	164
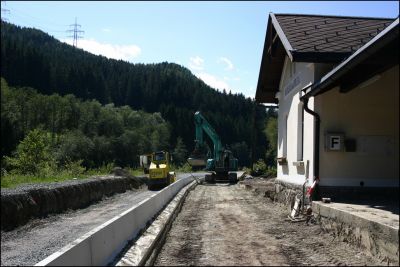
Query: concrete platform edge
375	238
100	245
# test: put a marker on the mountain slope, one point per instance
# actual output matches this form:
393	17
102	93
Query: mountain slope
30	57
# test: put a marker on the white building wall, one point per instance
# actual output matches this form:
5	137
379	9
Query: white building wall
370	115
295	76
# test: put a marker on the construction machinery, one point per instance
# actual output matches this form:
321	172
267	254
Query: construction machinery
160	174
220	162
145	162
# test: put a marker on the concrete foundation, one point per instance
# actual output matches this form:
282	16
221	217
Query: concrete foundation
365	217
101	245
374	230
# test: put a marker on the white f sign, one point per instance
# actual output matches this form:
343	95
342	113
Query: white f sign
334	142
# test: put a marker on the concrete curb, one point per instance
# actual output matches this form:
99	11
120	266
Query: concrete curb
145	250
101	245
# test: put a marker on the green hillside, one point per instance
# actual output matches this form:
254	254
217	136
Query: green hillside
30	57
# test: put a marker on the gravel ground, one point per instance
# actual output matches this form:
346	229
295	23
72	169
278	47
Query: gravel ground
39	238
31	243
226	225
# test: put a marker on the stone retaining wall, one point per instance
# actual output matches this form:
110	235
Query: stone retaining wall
278	191
286	193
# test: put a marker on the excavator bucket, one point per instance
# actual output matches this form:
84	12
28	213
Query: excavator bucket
197	162
199	156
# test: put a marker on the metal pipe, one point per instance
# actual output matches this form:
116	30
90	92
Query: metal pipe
317	135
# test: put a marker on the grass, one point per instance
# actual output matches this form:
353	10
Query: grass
136	172
13	180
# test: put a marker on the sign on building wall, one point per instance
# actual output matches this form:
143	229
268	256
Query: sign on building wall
292	84
334	142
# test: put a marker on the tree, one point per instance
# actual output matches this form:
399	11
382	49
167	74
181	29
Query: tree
271	132
30	57
33	153
180	152
242	152
73	146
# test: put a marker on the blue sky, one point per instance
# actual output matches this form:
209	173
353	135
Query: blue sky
220	42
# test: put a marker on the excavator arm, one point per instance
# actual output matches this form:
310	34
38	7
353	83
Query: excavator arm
222	162
202	125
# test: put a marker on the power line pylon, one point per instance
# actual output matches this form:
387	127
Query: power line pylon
76	33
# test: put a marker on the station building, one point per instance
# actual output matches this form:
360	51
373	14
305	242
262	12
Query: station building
336	83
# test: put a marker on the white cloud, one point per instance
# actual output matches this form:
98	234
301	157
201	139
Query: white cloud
229	64
124	52
213	81
196	63
106	30
220	83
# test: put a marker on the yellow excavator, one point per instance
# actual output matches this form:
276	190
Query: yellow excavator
160	174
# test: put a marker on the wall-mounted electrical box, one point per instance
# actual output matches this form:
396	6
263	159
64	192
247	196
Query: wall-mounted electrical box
281	160
334	142
350	145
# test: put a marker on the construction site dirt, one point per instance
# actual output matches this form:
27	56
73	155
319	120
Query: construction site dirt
222	224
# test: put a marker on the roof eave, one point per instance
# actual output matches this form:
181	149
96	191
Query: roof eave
289	49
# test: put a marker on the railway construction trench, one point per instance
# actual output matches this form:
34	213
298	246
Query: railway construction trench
39	238
222	224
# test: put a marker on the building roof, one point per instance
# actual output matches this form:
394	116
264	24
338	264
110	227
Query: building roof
315	34
310	38
376	56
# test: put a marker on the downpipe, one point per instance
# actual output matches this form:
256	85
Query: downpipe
313	191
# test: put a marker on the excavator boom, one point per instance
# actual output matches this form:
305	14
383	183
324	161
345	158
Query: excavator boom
221	161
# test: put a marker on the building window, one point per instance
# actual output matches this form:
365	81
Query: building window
293	69
285	140
300	131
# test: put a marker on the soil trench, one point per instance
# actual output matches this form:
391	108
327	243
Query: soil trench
223	224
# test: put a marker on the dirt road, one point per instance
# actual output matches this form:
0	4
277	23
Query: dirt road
225	225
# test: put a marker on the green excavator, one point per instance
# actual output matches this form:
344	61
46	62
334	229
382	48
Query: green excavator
221	163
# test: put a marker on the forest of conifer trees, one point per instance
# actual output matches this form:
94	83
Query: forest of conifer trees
115	109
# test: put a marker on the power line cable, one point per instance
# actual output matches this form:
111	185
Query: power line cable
4	11
41	20
29	23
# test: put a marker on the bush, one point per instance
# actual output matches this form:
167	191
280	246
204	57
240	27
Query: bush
246	170
259	168
33	155
184	168
74	167
73	146
102	170
271	172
